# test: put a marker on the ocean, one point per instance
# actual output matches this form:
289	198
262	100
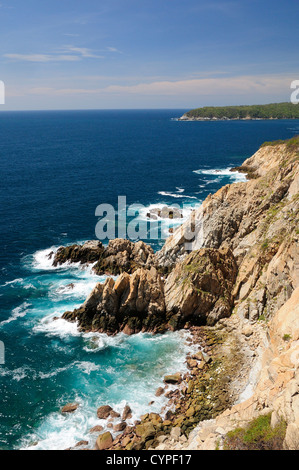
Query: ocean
56	168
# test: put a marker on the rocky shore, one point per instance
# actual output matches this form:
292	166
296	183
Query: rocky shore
235	286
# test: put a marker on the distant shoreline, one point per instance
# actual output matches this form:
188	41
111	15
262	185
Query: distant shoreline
187	118
274	111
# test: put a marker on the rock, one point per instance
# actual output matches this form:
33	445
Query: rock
127	413
176	433
155	418
114	414
145	431
120	427
96	429
119	256
126	441
160	391
82	443
131	304
104	412
199	288
247	331
173	379
192	363
88	253
124	256
70	408
104	441
165	213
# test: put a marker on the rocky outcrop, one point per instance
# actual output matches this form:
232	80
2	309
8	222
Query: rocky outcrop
124	256
165	213
130	304
258	220
274	391
199	288
197	291
119	256
89	252
234	268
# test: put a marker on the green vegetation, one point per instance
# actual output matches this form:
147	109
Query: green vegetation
258	435
266	111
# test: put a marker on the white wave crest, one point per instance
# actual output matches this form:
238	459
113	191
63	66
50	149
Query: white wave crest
222	172
17	312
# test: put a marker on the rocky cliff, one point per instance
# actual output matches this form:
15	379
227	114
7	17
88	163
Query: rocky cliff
232	267
258	221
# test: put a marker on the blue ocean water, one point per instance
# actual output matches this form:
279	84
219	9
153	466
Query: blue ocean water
56	168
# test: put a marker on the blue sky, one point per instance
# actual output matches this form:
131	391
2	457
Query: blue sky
105	54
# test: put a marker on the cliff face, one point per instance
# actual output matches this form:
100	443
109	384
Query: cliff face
258	221
234	266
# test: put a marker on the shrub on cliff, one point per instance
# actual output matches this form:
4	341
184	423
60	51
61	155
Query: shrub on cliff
258	435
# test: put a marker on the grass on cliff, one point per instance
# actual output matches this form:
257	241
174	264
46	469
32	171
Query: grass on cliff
291	144
258	435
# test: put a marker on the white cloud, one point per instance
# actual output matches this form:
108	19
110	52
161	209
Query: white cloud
81	51
65	54
42	57
212	87
113	49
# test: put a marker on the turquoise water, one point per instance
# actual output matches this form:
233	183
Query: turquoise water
56	168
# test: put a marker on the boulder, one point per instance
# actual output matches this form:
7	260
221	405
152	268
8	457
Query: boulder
120	427
127	413
104	412
104	441
96	429
173	379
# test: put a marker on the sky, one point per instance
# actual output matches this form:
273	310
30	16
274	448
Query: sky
134	54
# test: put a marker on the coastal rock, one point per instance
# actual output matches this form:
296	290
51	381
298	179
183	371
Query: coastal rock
124	256
199	288
127	413
165	213
96	429
120	427
131	304
104	412
89	252
104	441
173	379
70	408
119	256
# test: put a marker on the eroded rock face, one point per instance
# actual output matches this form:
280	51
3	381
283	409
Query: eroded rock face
124	256
119	256
258	220
88	253
199	288
131	304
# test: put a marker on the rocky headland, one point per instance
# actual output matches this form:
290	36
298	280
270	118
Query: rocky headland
234	283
